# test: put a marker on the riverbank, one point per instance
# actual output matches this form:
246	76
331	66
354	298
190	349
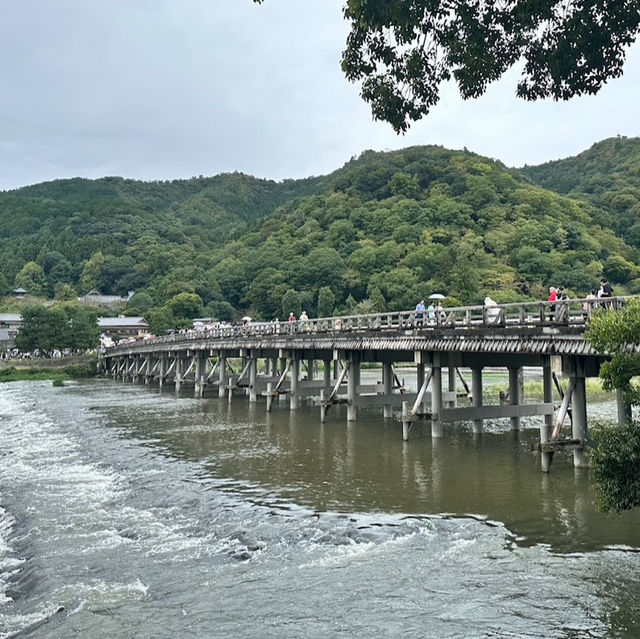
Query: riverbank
57	370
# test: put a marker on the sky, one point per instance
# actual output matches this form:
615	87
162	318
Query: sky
169	89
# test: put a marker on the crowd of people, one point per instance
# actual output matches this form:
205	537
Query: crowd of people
56	353
431	313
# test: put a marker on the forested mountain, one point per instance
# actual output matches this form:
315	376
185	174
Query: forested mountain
606	175
380	233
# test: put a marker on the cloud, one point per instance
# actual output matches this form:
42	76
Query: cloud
154	89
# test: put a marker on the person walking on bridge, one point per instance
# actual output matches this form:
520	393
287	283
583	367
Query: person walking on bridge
420	309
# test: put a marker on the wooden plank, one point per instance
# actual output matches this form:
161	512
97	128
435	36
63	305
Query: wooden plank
494	412
561	444
381	400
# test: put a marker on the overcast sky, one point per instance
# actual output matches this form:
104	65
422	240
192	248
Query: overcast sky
164	89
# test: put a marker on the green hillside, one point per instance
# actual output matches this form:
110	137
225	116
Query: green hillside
380	233
608	176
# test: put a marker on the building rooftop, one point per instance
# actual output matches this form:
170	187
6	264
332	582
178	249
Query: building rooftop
111	322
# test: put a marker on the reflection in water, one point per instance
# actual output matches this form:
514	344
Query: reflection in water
365	466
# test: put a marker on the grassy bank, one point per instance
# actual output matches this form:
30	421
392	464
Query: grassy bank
56	370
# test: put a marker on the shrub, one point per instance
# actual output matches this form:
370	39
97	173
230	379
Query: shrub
615	466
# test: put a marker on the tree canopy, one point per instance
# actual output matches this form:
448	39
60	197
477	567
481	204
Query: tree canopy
61	326
615	459
403	50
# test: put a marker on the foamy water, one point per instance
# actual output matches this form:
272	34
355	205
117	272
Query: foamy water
125	514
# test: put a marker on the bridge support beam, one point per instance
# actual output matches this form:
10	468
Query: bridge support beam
200	374
147	369
547	425
514	394
353	381
437	429
420	374
177	375
452	384
387	383
294	398
579	425
476	396
253	379
222	373
162	370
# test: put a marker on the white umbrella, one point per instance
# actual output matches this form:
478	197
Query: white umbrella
437	296
246	318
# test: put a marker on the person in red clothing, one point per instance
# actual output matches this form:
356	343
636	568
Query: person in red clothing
292	323
553	296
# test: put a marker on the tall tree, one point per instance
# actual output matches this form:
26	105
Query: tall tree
615	460
32	278
403	50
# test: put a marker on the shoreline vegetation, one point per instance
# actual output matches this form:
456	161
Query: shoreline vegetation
57	370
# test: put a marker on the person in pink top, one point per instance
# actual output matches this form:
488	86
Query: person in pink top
553	297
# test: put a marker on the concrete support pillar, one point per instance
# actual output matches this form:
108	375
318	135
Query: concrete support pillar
253	380
547	426
476	396
198	375
326	377
222	375
387	382
177	376
406	424
147	369
514	394
452	383
579	425
162	370
274	366
624	407
310	369
436	400
353	380
294	399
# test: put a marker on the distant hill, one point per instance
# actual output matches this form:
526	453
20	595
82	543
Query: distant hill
608	176
381	232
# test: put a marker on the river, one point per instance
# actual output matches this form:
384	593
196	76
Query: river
125	512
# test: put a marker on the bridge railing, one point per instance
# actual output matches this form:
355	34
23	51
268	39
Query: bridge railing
570	312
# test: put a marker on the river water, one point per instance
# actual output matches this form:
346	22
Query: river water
125	512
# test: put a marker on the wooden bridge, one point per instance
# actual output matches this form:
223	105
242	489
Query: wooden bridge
321	359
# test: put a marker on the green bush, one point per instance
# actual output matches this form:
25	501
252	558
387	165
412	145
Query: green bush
615	466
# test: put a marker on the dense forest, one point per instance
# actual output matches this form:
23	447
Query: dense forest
382	232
